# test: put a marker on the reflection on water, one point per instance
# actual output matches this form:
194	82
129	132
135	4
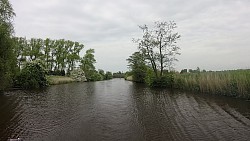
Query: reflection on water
120	110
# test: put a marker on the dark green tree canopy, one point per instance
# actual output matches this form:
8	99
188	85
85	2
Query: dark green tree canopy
138	66
7	57
32	76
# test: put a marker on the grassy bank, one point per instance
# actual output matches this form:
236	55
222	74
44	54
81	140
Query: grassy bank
129	78
230	83
55	80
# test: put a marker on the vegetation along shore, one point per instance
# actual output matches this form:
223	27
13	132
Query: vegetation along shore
36	63
154	61
234	83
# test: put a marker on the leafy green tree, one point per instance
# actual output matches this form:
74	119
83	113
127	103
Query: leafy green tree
102	73
138	66
48	43
59	54
56	55
108	75
118	74
32	76
74	49
87	63
20	45
7	56
159	46
35	49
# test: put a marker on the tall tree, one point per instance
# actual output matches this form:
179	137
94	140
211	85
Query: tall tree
47	50
159	45
74	49
138	66
87	63
20	46
7	56
35	49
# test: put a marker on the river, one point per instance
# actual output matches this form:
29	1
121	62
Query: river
120	110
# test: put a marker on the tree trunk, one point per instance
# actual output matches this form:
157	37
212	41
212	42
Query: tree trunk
161	58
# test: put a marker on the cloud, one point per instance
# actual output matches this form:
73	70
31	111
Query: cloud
214	33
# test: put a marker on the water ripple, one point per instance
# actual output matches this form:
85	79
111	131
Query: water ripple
120	110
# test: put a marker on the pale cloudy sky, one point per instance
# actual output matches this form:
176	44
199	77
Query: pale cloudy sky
215	33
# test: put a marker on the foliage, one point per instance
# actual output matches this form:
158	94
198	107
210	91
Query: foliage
184	71
57	55
127	74
198	70
105	76
78	75
166	81
150	77
94	76
159	46
87	65
230	83
137	66
118	74
7	58
108	75
32	76
56	72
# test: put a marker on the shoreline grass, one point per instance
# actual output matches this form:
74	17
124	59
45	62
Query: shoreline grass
129	78
55	80
234	83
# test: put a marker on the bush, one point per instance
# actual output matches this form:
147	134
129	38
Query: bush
167	80
108	75
78	75
150	77
32	76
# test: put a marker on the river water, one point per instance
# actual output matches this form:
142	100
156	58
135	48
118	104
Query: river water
120	110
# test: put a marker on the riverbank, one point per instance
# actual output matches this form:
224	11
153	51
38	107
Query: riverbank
129	78
55	80
235	83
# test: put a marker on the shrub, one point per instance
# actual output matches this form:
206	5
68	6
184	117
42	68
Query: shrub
32	76
167	80
78	75
150	77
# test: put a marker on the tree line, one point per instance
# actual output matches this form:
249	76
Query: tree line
57	57
7	61
54	54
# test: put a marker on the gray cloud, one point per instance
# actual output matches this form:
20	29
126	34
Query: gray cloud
214	32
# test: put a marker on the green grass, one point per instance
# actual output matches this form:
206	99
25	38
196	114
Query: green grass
231	83
55	80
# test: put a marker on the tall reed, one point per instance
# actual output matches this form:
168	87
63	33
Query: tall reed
231	83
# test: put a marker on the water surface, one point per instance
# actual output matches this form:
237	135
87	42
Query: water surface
120	110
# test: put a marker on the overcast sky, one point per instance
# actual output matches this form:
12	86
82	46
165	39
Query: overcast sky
215	33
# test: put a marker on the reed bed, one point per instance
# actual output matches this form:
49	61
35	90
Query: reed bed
55	80
230	83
